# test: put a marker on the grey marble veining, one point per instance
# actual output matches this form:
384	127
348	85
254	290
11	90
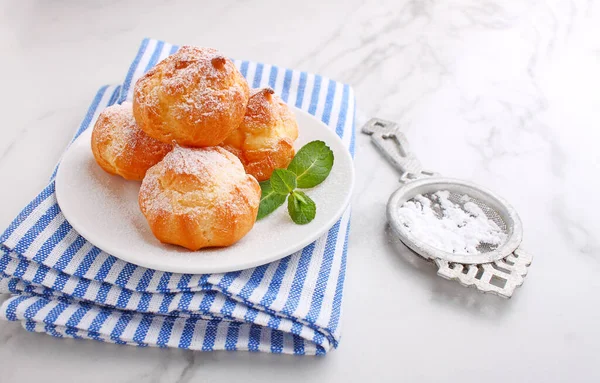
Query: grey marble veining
504	93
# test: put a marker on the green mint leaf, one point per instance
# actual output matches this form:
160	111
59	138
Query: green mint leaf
312	164
283	181
302	209
269	200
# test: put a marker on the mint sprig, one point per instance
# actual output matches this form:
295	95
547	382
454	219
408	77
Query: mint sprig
311	166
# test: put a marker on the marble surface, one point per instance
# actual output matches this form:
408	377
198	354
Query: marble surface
504	93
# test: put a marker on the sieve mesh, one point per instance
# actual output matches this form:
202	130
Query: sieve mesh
460	199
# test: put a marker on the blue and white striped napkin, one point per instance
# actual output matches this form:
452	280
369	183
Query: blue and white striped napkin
66	287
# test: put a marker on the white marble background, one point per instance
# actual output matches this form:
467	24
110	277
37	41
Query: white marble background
505	93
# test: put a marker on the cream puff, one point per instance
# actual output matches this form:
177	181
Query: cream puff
195	97
120	147
199	197
264	141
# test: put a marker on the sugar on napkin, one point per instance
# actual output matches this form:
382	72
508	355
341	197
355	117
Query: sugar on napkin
64	286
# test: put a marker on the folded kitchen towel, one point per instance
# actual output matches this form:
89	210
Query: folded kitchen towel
66	287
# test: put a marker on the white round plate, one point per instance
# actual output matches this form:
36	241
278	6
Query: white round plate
104	209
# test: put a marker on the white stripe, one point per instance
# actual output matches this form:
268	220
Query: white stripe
221	337
115	271
131	327
288	343
135	277
241	342
42	237
311	278
348	126
334	116
58	250
134	300
263	287
308	89
286	283
293	91
154	330
77	258
30	221
250	73
265	340
322	97
139	70
327	306
176	332
94	268
41	314
279	80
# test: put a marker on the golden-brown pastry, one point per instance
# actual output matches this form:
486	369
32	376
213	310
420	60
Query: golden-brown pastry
121	147
196	97
264	141
199	197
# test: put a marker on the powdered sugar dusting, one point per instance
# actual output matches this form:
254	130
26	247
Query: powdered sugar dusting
455	228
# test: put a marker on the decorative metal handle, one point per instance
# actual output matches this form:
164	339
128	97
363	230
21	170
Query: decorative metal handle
392	144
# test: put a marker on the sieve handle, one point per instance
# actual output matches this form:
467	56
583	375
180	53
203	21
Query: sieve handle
392	144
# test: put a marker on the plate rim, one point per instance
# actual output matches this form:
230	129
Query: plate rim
208	269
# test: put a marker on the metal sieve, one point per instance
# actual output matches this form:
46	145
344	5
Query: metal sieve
497	269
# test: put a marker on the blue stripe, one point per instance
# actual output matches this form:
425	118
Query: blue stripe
228	307
114	97
166	302
125	274
60	281
34	308
123	299
232	336
244	69
188	334
144	302
142	329
324	271
99	320
184	302
339	130
210	335
68	254
301	89
103	292
257	75
85	265
132	68
254	281
276	342
155	55
273	76
329	102
36	229
91	111
47	192
287	83
228	279
207	301
10	312
81	288
53	314
173	49
163	284
298	283
40	274
51	242
145	280
22	267
337	299
314	98
275	285
77	316
105	268
165	331
254	337
184	282
117	331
